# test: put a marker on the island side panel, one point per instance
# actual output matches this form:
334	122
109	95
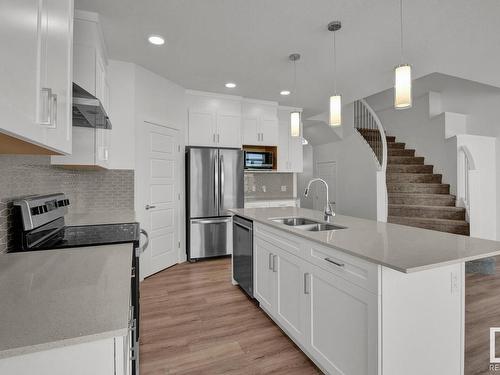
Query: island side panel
423	321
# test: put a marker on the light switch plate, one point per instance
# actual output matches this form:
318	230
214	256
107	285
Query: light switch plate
283	187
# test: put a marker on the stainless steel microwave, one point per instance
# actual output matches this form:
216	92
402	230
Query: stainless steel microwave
259	160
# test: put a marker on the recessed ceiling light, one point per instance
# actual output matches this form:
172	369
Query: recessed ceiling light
285	92
157	40
230	85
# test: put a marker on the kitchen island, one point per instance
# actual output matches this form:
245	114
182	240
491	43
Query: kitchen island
370	298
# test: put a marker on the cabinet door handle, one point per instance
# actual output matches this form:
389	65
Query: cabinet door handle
213	137
148	207
274	263
53	111
45	106
341	265
218	138
307	287
271	265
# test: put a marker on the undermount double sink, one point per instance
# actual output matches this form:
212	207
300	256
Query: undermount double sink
307	224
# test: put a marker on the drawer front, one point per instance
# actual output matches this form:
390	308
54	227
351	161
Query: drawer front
279	238
352	269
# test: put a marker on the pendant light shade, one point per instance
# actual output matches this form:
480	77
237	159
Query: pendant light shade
402	87
402	74
335	118
335	110
294	115
295	124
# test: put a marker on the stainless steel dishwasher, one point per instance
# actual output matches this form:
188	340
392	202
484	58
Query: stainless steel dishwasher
243	253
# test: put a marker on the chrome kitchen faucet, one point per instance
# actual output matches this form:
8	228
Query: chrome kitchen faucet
328	208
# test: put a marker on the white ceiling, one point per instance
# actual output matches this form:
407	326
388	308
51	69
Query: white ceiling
210	42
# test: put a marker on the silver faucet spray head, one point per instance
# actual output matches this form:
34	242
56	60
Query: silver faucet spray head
306	192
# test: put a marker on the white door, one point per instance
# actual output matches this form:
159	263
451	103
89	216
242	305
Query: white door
264	274
291	295
343	325
229	131
158	195
328	172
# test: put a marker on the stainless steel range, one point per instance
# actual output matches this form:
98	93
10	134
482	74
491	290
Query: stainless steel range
39	225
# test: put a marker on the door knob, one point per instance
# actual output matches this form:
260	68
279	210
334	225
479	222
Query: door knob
148	207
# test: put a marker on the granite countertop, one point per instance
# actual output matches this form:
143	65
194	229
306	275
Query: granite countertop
57	298
102	217
399	247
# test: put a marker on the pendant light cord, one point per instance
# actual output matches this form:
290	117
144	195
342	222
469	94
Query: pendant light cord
334	65
295	83
401	28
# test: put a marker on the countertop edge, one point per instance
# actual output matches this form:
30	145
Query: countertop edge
23	350
360	256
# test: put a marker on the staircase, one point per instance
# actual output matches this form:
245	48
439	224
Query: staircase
416	196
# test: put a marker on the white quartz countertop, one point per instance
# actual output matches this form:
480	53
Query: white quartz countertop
399	247
57	298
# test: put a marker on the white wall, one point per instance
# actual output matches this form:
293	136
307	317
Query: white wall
121	79
356	191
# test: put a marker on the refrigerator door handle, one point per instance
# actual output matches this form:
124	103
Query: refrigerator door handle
221	183
211	221
216	184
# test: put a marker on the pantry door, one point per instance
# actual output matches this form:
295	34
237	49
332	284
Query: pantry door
158	189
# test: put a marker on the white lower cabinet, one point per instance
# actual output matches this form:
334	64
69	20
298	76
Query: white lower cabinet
333	320
353	317
343	325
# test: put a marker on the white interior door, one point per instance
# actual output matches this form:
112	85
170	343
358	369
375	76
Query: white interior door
158	195
328	172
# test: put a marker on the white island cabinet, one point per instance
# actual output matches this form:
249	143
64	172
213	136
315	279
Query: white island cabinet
371	298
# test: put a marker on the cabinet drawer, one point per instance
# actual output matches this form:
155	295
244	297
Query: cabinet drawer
353	269
279	239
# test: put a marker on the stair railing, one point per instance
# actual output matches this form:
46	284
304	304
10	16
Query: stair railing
368	125
466	164
366	121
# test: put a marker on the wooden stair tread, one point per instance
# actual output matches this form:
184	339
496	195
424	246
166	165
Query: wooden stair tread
447	208
430	220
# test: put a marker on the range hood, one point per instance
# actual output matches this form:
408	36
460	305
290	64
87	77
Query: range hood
88	111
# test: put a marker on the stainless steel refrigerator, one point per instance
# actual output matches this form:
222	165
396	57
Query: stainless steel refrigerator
214	184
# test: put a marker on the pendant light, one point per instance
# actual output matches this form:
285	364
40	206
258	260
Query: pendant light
294	115
402	75
335	99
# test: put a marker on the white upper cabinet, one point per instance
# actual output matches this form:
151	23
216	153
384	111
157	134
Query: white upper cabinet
260	123
214	120
290	152
91	147
36	75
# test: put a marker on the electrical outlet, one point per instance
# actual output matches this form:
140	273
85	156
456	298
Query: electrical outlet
254	188
264	188
283	187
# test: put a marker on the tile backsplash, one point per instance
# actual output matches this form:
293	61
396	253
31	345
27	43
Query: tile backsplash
268	185
89	191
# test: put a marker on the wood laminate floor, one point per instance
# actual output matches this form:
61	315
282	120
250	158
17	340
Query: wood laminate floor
194	321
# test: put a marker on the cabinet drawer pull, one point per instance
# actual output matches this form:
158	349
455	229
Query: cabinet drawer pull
274	263
341	265
271	266
46	98
307	287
